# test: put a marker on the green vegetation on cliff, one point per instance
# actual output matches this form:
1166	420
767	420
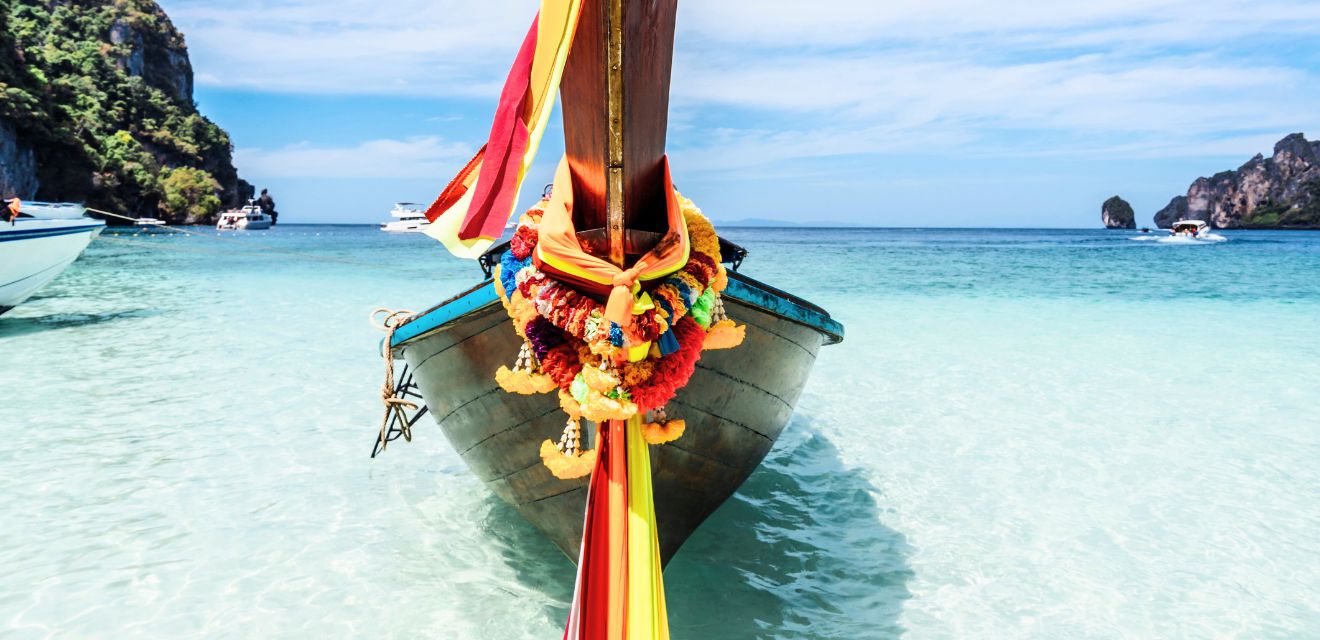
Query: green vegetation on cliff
101	91
1305	214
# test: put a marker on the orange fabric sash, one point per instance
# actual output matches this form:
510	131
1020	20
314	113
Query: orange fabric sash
558	252
471	211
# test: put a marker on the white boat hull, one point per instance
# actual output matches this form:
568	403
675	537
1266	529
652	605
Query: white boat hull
409	219
404	226
1208	238
35	251
249	218
245	225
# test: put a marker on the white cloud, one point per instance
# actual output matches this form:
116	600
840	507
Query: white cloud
401	47
964	24
422	157
764	81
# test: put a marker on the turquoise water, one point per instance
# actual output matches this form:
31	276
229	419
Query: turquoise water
1043	434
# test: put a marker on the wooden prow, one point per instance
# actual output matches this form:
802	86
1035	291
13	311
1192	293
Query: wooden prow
615	94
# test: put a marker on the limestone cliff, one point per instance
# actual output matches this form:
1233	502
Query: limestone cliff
1282	191
97	107
1116	213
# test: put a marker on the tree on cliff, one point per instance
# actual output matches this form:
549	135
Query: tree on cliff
100	92
189	194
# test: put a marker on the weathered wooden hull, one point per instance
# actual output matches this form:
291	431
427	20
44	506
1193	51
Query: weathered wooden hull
735	405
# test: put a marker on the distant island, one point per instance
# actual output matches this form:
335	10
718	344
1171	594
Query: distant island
1279	192
97	107
1116	213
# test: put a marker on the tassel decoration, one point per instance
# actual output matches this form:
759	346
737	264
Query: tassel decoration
525	378
602	379
565	459
661	429
723	333
602	408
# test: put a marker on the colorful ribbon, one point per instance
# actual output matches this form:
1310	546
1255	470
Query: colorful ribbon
472	210
620	592
559	254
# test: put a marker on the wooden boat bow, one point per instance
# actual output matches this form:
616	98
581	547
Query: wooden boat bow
615	97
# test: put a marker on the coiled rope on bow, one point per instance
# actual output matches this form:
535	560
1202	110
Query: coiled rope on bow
395	405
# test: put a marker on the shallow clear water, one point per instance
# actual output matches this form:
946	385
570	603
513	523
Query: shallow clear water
1053	434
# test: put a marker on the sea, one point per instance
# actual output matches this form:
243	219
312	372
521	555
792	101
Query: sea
1025	434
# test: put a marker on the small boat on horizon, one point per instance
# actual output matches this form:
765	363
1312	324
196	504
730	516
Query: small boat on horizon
1191	232
249	218
39	244
410	219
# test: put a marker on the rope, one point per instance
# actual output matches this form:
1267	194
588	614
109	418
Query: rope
160	225
395	406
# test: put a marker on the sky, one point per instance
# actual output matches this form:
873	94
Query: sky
958	113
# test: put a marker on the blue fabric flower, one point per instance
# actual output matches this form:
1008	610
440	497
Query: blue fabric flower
510	265
668	342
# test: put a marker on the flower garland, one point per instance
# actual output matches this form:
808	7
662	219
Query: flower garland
603	371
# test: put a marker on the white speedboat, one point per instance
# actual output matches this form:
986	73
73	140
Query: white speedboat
1191	232
411	219
39	245
249	218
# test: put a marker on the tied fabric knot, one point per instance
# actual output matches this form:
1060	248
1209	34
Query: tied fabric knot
620	305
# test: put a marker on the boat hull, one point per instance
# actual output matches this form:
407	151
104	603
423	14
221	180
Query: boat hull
404	227
35	251
259	225
736	404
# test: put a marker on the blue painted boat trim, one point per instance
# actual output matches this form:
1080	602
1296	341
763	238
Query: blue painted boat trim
740	288
29	234
754	293
480	296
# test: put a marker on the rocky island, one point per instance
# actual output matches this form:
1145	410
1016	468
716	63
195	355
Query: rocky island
1116	213
97	107
1279	192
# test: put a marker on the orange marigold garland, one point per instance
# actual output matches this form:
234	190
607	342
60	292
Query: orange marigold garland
602	371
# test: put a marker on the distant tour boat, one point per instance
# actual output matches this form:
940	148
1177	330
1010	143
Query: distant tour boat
1191	228
1191	232
410	219
39	245
149	222
248	218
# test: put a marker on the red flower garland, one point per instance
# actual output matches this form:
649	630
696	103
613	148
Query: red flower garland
673	371
562	364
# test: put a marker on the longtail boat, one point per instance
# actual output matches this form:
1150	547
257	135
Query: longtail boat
616	184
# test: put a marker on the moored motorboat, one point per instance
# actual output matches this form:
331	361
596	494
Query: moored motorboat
410	219
249	218
38	245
